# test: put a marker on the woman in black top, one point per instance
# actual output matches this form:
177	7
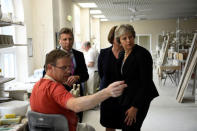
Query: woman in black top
136	70
109	72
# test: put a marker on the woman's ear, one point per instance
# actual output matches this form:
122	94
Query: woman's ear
118	40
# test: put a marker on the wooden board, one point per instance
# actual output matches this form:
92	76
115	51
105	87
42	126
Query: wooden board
165	51
188	61
184	77
187	78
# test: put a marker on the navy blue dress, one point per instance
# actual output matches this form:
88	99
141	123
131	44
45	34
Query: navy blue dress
109	71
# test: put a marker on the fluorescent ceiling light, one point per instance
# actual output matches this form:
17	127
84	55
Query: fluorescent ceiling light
104	20
98	16
95	12
87	5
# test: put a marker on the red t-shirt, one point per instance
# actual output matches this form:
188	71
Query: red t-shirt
50	97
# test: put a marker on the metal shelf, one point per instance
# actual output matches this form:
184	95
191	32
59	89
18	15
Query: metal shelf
4	79
9	23
6	45
4	23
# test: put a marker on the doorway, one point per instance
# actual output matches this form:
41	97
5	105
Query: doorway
144	40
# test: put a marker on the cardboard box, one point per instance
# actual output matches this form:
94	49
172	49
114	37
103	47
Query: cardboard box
182	56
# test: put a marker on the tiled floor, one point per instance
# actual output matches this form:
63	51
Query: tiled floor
165	113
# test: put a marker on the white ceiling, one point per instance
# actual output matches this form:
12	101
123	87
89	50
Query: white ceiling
126	10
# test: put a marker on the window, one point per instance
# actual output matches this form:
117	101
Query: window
6	8
9	69
7	56
9	59
7	62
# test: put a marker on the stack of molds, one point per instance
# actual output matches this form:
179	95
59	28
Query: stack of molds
6	40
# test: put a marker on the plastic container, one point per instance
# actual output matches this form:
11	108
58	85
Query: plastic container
5	121
14	107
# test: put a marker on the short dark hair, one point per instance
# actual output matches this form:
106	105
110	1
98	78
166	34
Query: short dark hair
66	30
54	55
111	34
122	29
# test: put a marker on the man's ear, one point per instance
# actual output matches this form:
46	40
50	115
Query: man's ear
59	42
49	66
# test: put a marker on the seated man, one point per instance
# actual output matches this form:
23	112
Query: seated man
49	95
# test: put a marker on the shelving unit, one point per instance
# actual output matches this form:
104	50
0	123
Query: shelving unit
6	45
9	23
6	41
3	80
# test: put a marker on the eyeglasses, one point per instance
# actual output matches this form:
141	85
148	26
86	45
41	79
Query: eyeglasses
63	67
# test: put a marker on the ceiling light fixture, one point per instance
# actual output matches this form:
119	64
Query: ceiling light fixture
98	16
95	12
87	5
104	20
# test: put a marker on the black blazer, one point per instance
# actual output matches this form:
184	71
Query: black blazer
108	68
81	68
137	73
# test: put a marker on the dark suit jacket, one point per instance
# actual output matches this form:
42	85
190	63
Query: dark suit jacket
137	73
81	68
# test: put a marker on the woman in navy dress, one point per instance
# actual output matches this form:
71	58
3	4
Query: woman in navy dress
109	71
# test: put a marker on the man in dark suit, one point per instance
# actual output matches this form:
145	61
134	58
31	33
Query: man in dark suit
79	72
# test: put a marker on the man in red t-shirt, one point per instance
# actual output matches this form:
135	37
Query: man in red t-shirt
50	97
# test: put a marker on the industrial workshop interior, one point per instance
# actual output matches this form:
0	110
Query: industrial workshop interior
166	28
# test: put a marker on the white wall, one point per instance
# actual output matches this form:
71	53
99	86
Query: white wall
85	25
42	20
95	32
43	37
29	31
65	9
56	15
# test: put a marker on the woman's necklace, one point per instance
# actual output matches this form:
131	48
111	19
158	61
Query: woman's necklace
126	54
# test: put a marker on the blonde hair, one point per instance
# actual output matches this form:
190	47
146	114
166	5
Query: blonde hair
122	29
